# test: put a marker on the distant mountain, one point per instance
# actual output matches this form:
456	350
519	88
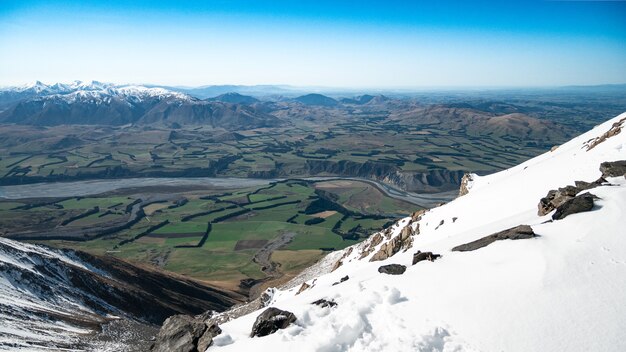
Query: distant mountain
316	99
205	92
362	99
98	103
235	98
477	122
365	99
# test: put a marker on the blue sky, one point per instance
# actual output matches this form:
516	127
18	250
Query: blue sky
368	44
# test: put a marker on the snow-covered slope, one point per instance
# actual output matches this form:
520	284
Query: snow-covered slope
36	295
56	300
563	290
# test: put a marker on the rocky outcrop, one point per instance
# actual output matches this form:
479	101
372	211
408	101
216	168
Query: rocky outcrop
515	233
421	256
374	241
270	321
578	204
392	269
402	241
437	180
466	184
183	333
613	131
555	198
418	215
613	168
349	168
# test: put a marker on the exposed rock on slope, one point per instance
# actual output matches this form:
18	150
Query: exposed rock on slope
183	333
515	233
613	169
578	204
270	321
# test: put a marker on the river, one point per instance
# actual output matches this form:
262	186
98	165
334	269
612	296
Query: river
93	187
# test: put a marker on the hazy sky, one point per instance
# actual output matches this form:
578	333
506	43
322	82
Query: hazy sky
384	44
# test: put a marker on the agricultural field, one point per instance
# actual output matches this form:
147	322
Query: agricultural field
363	146
215	236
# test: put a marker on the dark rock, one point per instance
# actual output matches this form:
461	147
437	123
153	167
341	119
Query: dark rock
179	333
515	233
345	278
206	340
613	168
420	256
392	269
579	204
270	321
325	303
556	198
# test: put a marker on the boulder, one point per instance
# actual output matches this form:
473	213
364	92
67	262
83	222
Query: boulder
421	256
515	233
392	269
270	321
578	204
179	333
613	168
556	198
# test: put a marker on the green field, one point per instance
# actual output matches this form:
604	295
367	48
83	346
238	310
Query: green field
174	234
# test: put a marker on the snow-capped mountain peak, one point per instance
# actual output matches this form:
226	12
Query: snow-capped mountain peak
95	89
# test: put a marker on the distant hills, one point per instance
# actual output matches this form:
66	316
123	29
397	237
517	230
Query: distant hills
97	103
235	98
316	99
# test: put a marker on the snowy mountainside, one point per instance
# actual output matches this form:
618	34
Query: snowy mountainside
55	299
561	288
96	103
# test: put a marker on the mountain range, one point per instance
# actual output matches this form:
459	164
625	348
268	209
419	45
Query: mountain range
97	103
